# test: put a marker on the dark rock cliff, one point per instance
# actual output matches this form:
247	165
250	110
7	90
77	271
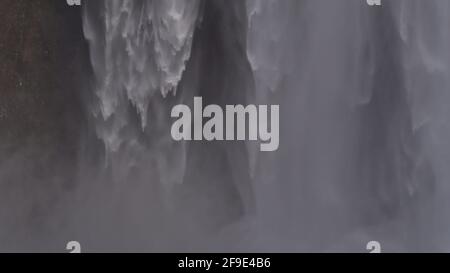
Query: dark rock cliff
42	56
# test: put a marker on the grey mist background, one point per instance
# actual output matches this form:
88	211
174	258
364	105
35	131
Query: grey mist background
86	153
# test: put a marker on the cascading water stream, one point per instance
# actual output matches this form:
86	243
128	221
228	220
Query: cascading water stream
368	91
363	94
85	117
139	51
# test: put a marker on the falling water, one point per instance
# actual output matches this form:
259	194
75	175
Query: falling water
139	51
365	122
364	119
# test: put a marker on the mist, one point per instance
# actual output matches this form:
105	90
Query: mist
363	139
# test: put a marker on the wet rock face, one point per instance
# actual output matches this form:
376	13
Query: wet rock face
41	59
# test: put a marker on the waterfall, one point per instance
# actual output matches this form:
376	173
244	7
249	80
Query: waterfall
139	50
364	118
364	91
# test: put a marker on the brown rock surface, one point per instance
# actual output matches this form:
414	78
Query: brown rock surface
42	56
